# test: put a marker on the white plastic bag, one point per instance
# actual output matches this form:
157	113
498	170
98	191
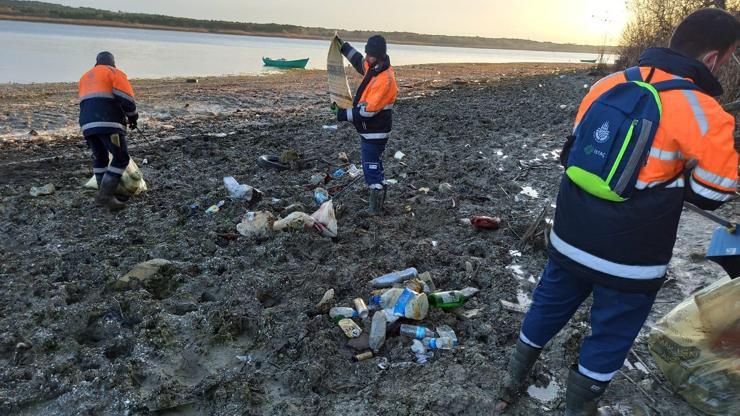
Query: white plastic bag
132	180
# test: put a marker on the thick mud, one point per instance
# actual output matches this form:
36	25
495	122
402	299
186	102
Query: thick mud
73	343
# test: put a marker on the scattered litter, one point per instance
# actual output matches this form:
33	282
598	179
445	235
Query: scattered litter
399	155
132	180
244	358
330	127
420	351
424	190
338	173
364	356
563	106
239	191
517	270
515	253
585	86
215	207
444	188
320	195
390	181
485	223
377	331
141	272
325	301
361	308
47	189
316	179
343	157
191	80
470	313
416	331
426	277
255	224
513	307
353	171
383	363
145	161
451	299
387	280
523	298
338	313
434	243
529	191
350	328
217	135
401	302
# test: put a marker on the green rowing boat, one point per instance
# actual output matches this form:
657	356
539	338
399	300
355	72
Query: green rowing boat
282	63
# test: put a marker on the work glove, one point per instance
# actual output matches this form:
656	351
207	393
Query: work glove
334	108
132	121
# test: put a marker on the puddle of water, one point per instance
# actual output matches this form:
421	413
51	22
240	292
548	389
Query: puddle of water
544	394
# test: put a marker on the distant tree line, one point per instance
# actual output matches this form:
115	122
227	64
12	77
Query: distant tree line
59	13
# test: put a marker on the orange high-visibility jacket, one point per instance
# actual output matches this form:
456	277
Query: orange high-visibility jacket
106	101
693	127
372	113
628	245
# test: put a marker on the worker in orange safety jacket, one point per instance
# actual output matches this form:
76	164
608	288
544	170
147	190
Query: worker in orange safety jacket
618	251
372	112
107	107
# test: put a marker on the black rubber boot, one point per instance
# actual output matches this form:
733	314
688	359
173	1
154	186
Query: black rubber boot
105	196
520	365
583	394
375	204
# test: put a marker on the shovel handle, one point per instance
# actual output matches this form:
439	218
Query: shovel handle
719	220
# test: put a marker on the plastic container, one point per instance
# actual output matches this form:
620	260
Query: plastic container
402	302
377	331
340	312
438	343
389	279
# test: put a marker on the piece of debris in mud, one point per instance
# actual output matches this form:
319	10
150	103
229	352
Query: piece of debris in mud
485	223
141	273
529	191
399	155
47	189
261	224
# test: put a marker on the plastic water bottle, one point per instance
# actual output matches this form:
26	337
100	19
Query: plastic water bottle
416	332
402	302
377	331
340	312
438	343
395	277
445	331
338	173
451	299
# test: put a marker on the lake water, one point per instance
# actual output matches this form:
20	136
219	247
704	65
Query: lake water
42	52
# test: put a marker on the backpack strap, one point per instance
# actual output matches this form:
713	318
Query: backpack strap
633	74
676	84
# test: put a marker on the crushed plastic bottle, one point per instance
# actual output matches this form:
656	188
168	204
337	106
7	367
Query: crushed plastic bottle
316	179
420	351
445	331
395	277
340	312
452	298
377	331
438	343
416	332
402	302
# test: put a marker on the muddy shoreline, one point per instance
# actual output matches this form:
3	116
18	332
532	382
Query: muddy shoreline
71	342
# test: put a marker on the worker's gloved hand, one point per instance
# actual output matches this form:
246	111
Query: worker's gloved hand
334	108
132	121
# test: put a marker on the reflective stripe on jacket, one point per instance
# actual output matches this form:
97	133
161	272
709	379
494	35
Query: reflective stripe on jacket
628	245
372	113
106	101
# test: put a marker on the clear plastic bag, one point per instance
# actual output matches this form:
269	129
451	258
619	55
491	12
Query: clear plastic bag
697	346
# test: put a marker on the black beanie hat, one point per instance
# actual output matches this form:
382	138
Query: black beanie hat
376	46
105	58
